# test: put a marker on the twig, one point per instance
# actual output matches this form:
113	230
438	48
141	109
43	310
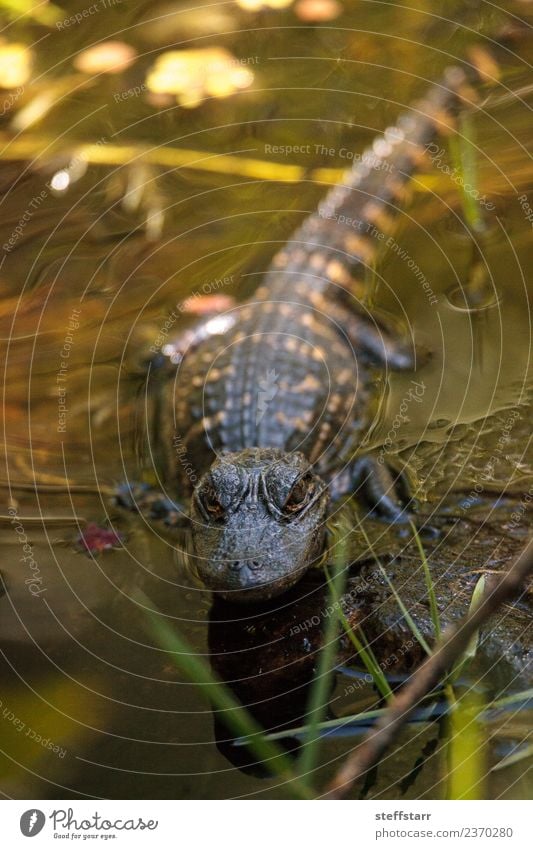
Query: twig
428	675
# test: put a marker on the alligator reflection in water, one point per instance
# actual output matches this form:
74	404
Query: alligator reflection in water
269	656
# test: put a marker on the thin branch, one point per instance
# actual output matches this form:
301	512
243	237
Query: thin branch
428	675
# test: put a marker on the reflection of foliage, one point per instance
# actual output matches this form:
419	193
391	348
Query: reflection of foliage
15	65
44	13
108	57
255	5
193	75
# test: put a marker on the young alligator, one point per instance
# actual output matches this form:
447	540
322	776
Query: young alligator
262	421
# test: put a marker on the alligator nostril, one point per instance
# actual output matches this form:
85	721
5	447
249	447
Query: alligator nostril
238	565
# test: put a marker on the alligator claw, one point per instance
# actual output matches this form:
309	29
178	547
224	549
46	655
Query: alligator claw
151	503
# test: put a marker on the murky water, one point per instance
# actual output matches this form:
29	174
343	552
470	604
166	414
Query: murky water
178	201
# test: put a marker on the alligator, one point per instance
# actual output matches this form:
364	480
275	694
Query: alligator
263	410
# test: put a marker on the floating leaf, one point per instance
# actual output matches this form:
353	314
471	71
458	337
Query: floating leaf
95	539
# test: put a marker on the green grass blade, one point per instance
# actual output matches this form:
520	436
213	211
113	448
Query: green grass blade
509	700
464	157
466	749
361	645
407	616
327	725
471	649
434	610
515	758
238	720
405	613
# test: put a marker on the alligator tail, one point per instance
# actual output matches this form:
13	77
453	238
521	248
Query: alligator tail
334	245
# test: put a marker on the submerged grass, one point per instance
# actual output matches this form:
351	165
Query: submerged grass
464	157
327	725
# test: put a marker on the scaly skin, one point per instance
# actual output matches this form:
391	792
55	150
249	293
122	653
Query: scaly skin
263	417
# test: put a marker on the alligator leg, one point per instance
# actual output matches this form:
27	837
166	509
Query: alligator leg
369	335
376	484
151	503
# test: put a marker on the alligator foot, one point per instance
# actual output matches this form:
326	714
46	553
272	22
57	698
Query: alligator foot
151	503
369	334
382	489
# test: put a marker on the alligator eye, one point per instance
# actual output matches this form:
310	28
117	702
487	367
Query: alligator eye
211	503
300	494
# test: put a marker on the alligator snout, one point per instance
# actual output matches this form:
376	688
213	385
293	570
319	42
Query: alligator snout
245	565
249	580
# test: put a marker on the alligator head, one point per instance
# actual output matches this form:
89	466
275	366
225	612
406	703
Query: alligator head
258	522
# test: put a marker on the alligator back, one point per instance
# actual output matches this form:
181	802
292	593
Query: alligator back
284	377
291	372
